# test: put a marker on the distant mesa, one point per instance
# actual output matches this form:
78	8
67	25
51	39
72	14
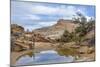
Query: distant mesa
57	29
62	21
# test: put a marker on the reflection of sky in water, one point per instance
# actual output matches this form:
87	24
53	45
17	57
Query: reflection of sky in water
44	57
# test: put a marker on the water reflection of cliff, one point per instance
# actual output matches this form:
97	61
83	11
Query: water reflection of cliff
43	57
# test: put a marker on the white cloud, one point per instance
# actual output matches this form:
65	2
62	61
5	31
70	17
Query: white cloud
89	18
43	10
65	12
81	11
40	25
60	10
30	17
34	17
49	23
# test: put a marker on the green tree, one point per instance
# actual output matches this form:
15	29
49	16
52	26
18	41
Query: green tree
80	31
79	18
65	37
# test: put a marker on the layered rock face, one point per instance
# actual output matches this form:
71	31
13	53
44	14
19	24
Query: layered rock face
50	33
57	30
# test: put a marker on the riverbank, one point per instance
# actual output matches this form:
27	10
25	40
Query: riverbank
82	53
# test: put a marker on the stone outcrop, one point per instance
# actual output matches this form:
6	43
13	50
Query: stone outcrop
56	30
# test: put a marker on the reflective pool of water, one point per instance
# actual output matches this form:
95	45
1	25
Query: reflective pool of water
44	57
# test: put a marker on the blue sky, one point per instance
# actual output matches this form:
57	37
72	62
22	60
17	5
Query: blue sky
32	15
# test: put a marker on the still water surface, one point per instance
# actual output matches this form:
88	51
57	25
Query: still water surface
44	57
